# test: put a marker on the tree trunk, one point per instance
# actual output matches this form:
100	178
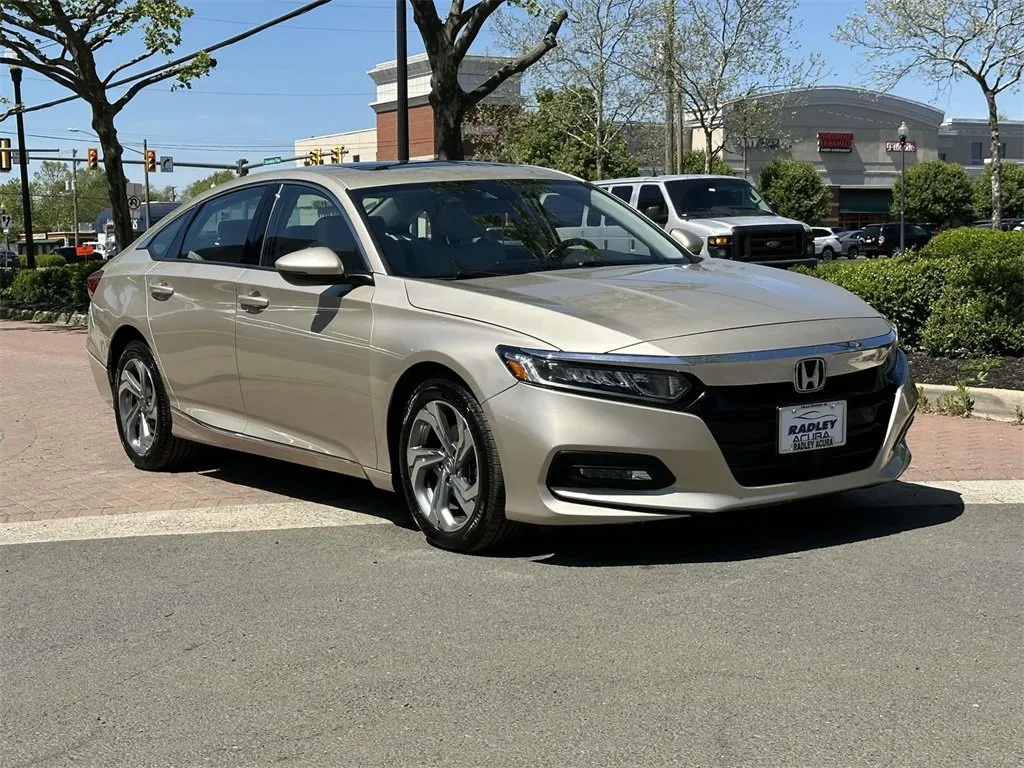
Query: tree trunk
997	161
117	183
448	144
708	151
599	141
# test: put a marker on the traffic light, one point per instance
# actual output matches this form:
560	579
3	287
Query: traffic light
92	159
337	153
151	160
5	155
240	167
317	156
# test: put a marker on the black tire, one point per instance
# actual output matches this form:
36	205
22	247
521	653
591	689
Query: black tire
853	253
827	254
166	451
487	526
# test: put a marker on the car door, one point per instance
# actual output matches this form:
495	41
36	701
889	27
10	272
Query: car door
304	350
191	306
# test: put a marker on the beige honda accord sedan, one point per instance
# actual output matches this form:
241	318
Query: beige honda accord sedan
499	344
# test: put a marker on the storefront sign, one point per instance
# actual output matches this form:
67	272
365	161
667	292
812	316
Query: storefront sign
835	142
894	146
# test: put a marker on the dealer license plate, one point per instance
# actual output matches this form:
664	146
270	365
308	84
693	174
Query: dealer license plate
812	427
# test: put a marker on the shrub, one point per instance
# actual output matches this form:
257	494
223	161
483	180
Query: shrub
902	289
45	260
962	295
59	289
967	242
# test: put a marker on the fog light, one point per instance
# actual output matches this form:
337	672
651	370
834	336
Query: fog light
615	474
608	471
722	253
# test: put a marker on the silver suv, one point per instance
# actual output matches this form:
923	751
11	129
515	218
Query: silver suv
719	217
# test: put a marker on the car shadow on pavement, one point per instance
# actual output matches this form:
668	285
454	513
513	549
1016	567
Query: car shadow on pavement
744	535
46	328
300	483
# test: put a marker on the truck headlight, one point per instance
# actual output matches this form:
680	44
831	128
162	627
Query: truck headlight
562	371
720	245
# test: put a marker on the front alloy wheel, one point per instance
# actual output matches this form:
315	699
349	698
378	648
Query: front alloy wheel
144	411
449	469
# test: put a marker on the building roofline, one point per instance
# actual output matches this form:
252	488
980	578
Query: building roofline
856	96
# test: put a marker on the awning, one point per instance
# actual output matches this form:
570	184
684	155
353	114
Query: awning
865	200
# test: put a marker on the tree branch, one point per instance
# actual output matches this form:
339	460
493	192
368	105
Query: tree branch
128	64
521	64
144	83
424	13
470	23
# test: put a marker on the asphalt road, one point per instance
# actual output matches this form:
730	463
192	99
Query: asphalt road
799	637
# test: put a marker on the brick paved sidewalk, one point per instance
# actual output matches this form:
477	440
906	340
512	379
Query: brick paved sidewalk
60	456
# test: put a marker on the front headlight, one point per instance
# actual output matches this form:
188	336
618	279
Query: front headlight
892	352
564	372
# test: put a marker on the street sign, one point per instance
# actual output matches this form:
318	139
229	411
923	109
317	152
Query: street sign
5	221
134	203
271	160
16	157
135	224
167	164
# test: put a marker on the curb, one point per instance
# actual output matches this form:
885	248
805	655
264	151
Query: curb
75	319
995	404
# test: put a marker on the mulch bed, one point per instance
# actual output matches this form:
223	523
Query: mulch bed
995	372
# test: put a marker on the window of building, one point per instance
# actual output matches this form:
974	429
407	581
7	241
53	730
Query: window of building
1002	150
355	158
942	156
976	153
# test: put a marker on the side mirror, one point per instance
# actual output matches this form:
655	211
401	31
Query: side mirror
316	265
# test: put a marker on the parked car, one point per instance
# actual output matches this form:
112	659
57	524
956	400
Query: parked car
849	243
826	244
884	239
9	258
718	216
441	330
1006	225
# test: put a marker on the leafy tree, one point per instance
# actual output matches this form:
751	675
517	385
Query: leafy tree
599	36
491	129
693	162
447	42
199	186
795	189
717	52
559	135
1011	191
60	41
937	191
943	41
10	202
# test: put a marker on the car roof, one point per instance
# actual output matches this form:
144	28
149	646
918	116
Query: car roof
392	173
671	177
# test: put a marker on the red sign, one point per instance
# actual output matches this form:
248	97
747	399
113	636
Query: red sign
835	142
894	146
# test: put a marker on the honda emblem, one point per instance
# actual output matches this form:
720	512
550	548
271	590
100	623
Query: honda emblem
809	375
773	243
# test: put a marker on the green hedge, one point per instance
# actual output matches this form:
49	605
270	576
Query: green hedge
59	289
962	295
45	260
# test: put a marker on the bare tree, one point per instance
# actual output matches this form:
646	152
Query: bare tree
447	42
591	61
731	50
757	123
944	41
60	39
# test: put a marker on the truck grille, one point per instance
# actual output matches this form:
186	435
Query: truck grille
744	422
769	243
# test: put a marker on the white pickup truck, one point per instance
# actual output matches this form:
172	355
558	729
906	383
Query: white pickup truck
718	217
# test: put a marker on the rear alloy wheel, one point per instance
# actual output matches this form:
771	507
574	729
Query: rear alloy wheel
852	253
827	254
144	412
450	472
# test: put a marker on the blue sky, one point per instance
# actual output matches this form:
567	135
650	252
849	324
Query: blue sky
307	77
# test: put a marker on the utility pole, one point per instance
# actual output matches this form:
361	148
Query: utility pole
670	95
174	196
74	188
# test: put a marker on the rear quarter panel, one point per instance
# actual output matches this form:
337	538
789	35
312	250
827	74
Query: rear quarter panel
120	300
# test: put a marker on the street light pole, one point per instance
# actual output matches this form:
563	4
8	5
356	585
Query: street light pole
26	197
74	189
402	72
903	133
145	169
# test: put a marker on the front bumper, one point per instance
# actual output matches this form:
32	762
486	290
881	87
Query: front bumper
531	426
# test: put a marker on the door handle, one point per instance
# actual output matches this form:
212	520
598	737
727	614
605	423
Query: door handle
253	301
161	291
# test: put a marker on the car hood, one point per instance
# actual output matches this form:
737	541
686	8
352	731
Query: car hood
606	308
725	225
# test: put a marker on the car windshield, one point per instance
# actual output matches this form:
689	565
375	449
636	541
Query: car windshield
457	230
720	198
